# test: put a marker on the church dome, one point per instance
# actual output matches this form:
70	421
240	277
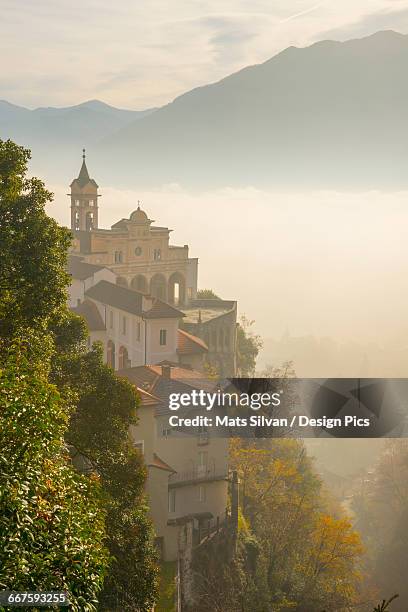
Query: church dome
139	216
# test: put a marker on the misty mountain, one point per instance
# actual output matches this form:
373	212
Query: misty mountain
330	115
56	135
334	114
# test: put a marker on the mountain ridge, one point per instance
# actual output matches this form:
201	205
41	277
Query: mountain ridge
330	115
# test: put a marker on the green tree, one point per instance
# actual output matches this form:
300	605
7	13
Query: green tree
248	346
33	248
207	294
380	505
33	282
51	518
106	406
309	554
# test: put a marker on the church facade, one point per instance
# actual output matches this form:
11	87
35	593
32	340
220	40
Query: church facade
138	251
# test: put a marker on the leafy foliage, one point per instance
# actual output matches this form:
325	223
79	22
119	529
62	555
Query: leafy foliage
52	519
105	408
309	558
381	507
66	517
248	347
207	294
33	248
51	522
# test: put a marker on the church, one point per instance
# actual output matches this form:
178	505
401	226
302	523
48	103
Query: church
138	292
138	251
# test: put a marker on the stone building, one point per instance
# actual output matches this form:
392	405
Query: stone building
134	328
187	472
137	251
215	322
139	256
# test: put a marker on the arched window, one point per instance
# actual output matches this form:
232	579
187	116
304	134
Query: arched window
158	287
110	354
89	221
139	283
123	358
177	289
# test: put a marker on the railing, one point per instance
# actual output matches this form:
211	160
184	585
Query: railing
198	474
207	528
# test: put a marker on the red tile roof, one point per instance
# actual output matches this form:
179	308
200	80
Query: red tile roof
178	373
159	463
80	269
187	344
162	310
131	301
89	311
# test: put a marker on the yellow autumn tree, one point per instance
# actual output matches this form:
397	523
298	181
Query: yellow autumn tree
309	554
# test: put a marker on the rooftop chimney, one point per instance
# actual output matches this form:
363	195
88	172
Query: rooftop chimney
166	371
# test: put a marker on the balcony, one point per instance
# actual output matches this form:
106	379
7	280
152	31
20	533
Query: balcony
197	475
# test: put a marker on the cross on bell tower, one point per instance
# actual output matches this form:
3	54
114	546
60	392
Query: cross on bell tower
84	201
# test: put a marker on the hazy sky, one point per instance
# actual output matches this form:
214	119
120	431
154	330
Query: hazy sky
140	53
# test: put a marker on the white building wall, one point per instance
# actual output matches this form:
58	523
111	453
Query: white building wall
155	351
76	291
135	346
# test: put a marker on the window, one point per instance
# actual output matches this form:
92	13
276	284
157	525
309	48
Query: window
118	257
91	202
201	493
138	328
163	337
124	361
124	325
111	319
138	251
172	500
139	445
157	254
110	354
203	437
166	432
202	462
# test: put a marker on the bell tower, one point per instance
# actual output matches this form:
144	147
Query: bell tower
84	201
